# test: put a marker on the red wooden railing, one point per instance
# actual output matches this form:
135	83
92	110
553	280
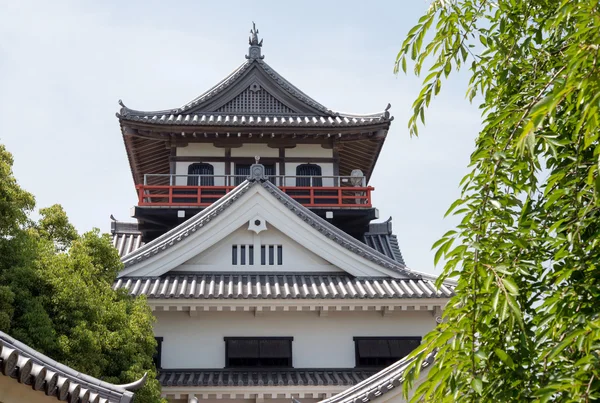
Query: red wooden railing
202	196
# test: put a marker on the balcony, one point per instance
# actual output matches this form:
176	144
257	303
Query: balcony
164	190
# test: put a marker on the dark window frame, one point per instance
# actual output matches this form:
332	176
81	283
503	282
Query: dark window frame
314	179
382	362
201	181
260	364
157	357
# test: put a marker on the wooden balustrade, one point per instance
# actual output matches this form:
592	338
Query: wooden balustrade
202	196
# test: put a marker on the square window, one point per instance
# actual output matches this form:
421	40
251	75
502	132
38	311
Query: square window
383	351
258	352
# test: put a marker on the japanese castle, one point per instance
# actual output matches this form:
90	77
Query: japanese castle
256	247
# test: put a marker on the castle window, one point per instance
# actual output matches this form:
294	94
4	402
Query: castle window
252	352
383	351
201	169
242	255
271	255
312	173
156	358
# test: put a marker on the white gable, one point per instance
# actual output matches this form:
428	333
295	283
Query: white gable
180	246
270	250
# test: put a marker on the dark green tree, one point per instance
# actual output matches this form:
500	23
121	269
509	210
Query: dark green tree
525	322
57	296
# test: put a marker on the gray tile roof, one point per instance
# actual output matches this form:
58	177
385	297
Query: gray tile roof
229	120
188	114
378	384
126	237
181	232
381	238
279	286
45	375
262	377
127	243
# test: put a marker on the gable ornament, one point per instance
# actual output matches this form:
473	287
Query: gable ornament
257	172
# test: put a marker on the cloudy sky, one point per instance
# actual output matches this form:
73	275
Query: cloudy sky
65	64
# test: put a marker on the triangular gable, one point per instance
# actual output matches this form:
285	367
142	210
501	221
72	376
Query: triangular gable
254	200
255	99
255	88
267	250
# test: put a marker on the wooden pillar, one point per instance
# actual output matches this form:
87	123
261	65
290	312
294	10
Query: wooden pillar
172	166
228	161
282	165
336	162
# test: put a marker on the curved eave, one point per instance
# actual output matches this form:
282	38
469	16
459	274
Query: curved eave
219	120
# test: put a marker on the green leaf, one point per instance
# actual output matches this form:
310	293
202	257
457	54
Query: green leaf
505	358
477	385
510	286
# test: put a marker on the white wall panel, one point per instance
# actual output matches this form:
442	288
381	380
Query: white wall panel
200	150
319	342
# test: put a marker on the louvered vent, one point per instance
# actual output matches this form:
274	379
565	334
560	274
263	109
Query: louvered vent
255	99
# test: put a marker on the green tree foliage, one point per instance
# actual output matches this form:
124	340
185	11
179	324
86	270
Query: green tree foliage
525	322
56	294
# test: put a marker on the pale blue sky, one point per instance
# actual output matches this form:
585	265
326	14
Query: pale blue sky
64	65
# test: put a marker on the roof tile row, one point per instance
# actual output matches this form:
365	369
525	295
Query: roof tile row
277	377
255	120
279	286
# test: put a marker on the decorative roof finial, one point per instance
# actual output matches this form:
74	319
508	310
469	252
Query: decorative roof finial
255	44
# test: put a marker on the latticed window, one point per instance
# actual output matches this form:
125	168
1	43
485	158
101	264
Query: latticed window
248	352
309	170
255	99
383	351
243	255
201	170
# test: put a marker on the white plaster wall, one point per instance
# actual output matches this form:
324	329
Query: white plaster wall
181	168
295	257
200	150
326	170
309	150
319	342
254	149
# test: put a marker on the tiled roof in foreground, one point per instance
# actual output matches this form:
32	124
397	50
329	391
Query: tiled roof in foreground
379	384
262	377
279	286
45	375
126	237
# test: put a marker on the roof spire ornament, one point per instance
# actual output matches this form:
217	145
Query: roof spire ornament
255	44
